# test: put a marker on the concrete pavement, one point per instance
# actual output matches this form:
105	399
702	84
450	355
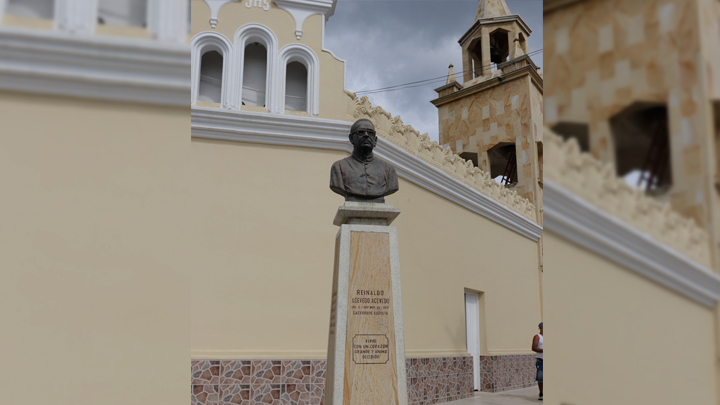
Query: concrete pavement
513	397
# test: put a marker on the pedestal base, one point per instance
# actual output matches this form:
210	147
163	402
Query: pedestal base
366	350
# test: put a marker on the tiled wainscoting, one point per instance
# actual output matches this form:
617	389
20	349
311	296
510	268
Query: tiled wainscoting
439	379
507	372
302	382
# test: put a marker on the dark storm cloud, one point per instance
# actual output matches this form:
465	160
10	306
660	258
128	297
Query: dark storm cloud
391	42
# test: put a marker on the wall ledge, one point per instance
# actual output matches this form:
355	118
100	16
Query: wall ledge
107	68
582	223
279	129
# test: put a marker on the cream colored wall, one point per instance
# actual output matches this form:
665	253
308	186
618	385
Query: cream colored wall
333	103
263	244
94	298
614	337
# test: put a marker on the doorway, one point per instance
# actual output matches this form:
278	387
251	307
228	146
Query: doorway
472	333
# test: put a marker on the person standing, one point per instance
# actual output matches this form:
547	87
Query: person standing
537	347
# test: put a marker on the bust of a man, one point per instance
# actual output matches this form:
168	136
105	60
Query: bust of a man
362	176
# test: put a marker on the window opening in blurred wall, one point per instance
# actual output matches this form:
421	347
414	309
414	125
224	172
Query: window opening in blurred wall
642	146
574	130
123	12
31	8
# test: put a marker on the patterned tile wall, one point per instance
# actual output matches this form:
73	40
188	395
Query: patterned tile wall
302	382
438	379
250	382
507	372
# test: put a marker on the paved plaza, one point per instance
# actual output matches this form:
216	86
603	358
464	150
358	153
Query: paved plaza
513	397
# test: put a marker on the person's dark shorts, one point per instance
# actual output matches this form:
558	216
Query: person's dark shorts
538	366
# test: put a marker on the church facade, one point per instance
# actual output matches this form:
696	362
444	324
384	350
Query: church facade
270	115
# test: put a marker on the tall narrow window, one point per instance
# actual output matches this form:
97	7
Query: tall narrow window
296	87
123	12
31	8
254	75
211	70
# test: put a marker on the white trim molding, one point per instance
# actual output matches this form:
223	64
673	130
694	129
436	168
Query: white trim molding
580	222
167	20
289	130
306	56
300	10
118	69
215	6
253	33
76	16
211	41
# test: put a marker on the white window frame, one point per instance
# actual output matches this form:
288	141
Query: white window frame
246	34
204	42
306	56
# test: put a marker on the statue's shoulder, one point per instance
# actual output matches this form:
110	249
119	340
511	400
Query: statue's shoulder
342	162
387	165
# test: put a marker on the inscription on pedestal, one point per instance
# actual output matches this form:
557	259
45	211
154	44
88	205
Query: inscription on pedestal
370	369
370	349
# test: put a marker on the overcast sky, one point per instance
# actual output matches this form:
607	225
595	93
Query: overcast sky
391	42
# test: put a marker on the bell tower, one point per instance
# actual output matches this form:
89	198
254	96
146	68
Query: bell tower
495	117
495	37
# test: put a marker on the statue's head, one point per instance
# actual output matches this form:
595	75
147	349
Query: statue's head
362	136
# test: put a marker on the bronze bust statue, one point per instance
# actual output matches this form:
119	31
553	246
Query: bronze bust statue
362	176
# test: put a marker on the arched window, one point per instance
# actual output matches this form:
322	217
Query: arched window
253	78
31	8
211	73
254	75
299	79
209	69
296	87
123	12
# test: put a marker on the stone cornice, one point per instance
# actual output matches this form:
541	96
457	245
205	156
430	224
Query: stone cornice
537	80
278	129
587	178
108	68
495	20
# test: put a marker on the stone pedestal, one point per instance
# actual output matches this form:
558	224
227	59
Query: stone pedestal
366	349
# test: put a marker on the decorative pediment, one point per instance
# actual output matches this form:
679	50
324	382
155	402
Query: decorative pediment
215	6
300	10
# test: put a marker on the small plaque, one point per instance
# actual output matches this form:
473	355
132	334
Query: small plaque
371	349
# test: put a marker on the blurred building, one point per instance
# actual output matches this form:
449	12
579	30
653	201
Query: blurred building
632	201
270	115
94	141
